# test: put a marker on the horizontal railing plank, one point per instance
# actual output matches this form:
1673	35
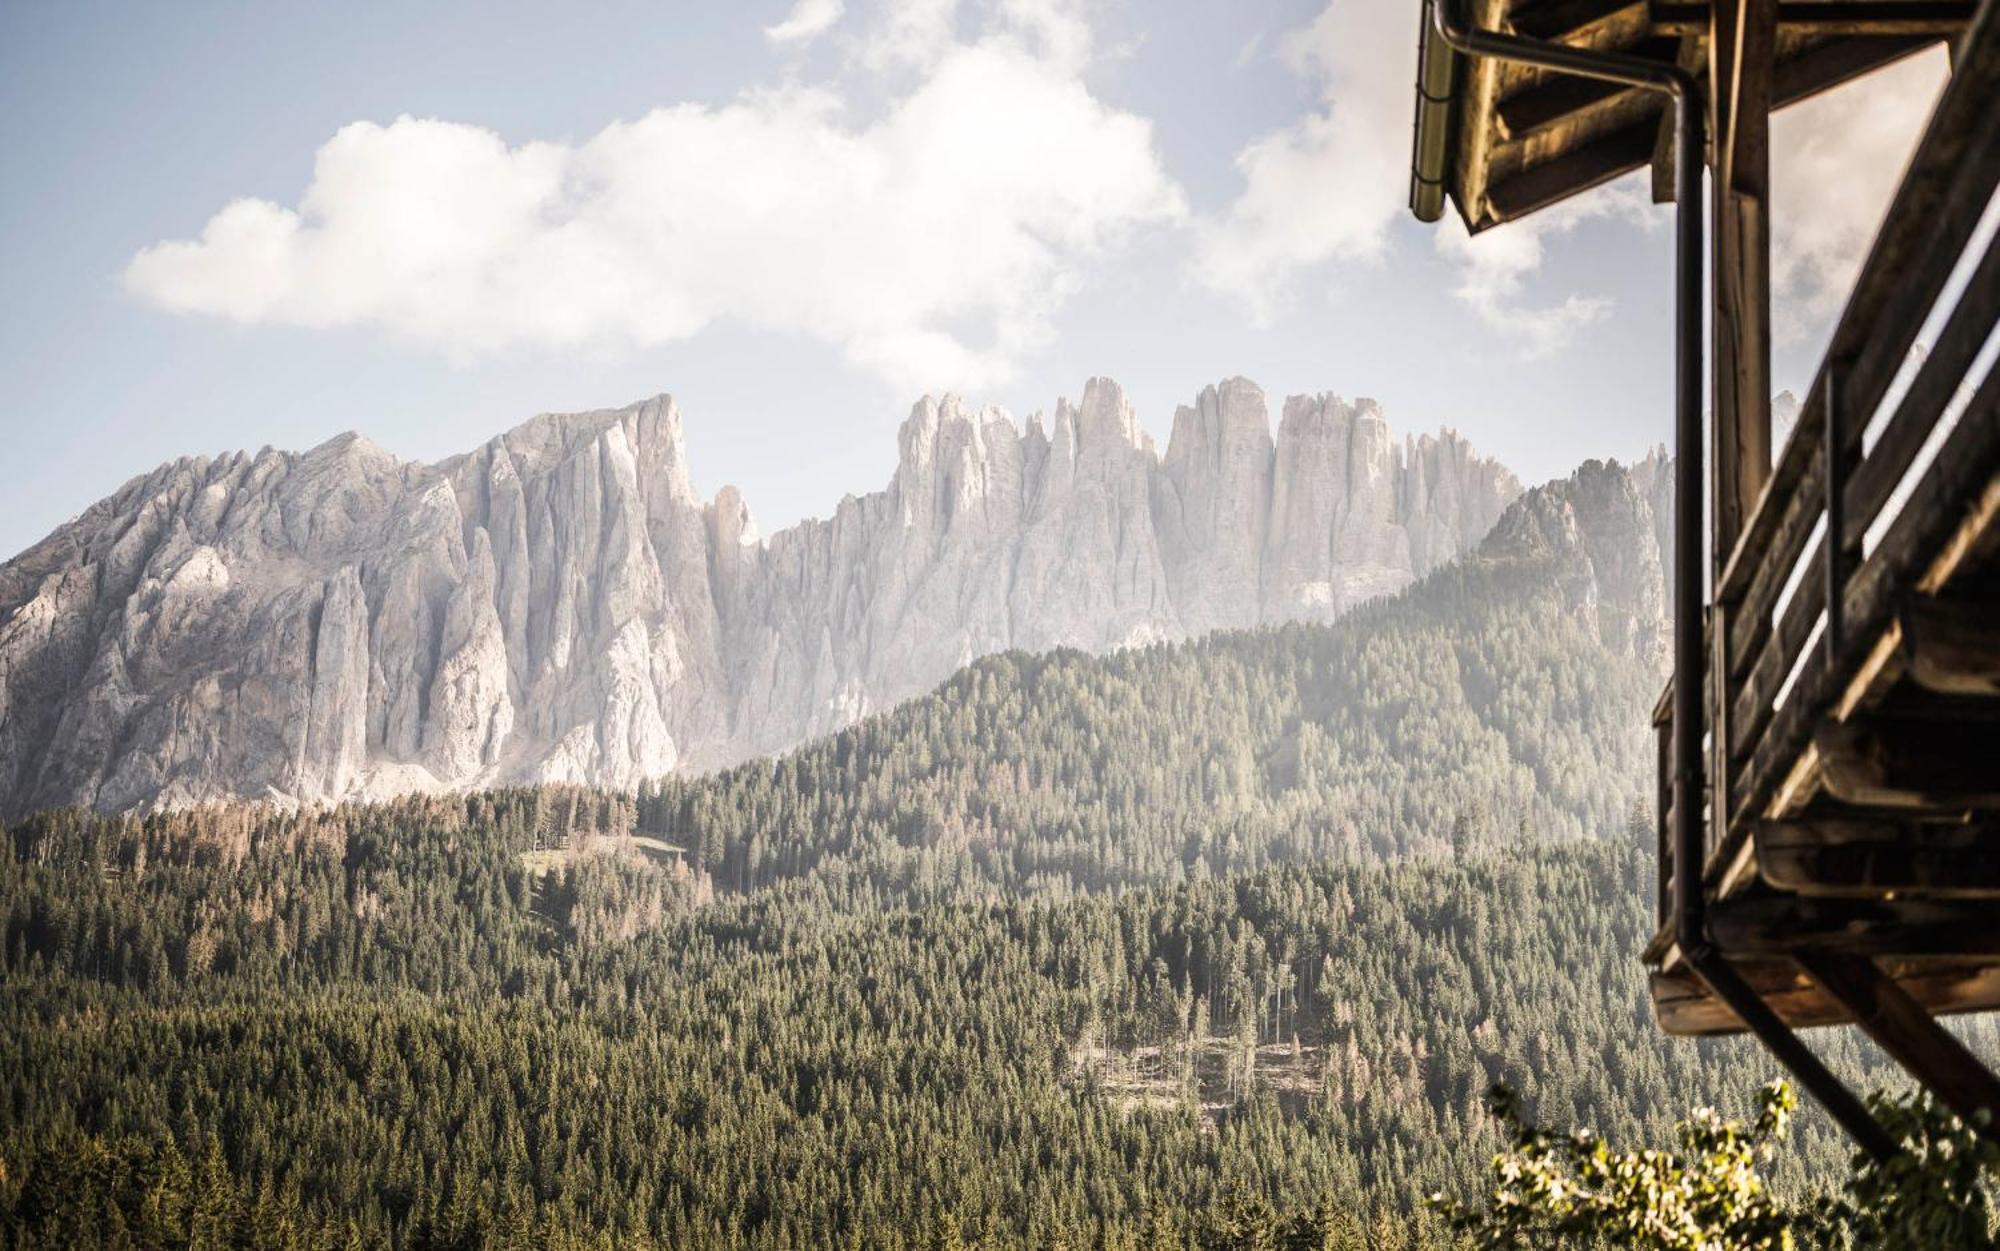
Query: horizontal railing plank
1751	620
1917	413
1952	487
1778	655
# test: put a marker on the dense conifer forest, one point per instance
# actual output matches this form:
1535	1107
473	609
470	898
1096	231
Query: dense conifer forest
1215	945
387	1026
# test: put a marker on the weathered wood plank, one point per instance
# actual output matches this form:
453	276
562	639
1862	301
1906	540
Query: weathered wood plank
1936	207
1750	620
1937	381
1479	87
1854	17
1753	702
1559	102
1541	185
1851	858
1685	1008
1923	766
1779	506
1783	925
1741	44
1952	513
1567	100
1951	647
1564	19
1842	59
1920	192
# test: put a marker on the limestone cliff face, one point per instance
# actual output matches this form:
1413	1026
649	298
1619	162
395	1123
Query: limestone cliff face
560	605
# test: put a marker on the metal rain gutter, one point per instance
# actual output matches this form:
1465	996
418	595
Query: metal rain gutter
1435	63
1690	906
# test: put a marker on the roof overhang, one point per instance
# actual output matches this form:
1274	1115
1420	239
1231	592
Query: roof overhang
1501	140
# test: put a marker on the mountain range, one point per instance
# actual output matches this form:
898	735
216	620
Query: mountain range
561	605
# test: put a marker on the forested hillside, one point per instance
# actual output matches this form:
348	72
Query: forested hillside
1124	951
1503	697
402	1026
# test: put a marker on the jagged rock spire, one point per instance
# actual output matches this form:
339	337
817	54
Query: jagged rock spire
559	604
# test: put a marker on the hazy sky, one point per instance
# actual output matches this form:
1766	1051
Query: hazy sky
231	225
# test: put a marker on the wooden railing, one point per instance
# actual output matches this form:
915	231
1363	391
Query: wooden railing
1876	474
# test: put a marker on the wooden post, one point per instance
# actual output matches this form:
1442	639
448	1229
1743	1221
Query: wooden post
1903	1029
1742	42
1741	47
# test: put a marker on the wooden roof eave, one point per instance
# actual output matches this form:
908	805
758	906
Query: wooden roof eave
1502	141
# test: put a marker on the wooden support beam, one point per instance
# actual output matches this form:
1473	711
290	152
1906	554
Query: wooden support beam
1478	88
1566	99
1873	858
1622	150
1742	44
1618	153
1750	926
1913	765
1901	1026
1853	17
1563	19
1558	102
1827	65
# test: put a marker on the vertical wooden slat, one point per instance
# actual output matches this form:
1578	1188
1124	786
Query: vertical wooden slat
1837	458
1663	810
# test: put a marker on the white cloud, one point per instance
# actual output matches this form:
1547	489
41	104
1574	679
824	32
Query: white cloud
932	245
1252	48
1325	188
905	34
909	33
808	20
1057	29
1835	162
1495	267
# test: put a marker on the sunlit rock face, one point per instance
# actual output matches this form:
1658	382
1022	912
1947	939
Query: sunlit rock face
560	605
1609	528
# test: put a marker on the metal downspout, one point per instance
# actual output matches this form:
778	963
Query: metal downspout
1690	905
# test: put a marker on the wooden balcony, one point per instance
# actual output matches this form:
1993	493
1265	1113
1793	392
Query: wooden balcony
1837	635
1852	695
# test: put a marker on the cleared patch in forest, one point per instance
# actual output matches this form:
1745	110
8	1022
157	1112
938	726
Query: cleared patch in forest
1212	1074
633	847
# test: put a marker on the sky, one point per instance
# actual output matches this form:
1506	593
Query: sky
232	225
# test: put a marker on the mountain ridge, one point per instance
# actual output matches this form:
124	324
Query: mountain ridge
560	604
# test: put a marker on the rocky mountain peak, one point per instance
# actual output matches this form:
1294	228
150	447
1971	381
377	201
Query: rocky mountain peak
1106	424
1608	531
560	605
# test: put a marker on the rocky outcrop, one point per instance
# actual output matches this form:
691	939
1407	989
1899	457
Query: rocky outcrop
1608	529
560	605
